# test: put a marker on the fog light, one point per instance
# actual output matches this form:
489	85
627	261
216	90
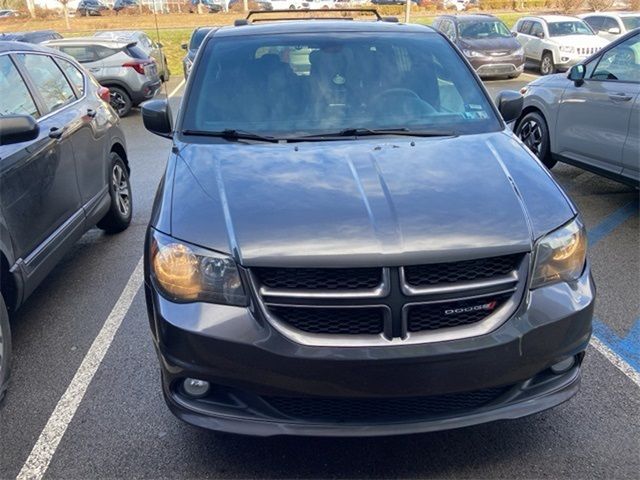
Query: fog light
195	388
563	366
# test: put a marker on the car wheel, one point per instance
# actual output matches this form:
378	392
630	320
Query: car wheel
5	348
534	133
120	101
292	7
118	217
547	66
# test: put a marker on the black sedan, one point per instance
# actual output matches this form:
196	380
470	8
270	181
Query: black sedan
63	169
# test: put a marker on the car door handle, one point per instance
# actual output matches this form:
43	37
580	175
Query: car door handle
620	97
56	132
94	69
91	112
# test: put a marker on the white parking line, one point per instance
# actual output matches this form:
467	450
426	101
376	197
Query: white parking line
175	90
42	452
618	362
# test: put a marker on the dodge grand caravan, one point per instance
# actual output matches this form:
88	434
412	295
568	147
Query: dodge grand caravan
349	240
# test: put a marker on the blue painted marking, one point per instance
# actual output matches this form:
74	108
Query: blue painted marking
611	222
627	348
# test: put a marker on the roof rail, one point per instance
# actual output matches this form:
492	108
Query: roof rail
252	13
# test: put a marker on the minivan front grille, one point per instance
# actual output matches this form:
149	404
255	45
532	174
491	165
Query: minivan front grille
483	268
373	306
319	278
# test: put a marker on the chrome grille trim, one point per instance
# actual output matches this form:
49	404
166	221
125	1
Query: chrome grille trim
460	287
514	283
380	291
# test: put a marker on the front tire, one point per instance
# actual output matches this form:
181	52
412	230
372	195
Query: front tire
119	215
120	101
534	133
5	348
547	67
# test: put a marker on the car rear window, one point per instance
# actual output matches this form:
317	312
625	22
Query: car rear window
309	84
136	52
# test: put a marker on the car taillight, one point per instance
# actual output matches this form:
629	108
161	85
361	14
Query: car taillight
104	94
138	65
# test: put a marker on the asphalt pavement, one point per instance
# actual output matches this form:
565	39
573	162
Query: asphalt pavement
120	428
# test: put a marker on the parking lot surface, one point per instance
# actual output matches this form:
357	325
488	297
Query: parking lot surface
122	429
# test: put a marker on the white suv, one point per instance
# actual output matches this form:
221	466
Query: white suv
612	25
556	42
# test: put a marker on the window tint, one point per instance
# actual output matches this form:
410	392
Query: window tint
318	85
536	28
49	80
104	52
621	63
197	38
609	23
136	52
83	54
572	27
525	27
76	77
595	23
449	29
20	101
631	23
481	30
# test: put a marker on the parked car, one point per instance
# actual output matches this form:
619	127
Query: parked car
124	4
93	8
612	25
63	169
36	36
458	5
146	44
556	42
197	36
486	42
9	14
366	249
130	74
591	117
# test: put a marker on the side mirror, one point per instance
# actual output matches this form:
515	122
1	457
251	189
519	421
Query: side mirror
540	34
17	129
514	34
576	74
157	118
614	30
184	46
160	45
510	105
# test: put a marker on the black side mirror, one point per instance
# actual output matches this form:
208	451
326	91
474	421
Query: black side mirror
18	128
576	74
514	34
540	34
510	105
157	118
184	46
160	45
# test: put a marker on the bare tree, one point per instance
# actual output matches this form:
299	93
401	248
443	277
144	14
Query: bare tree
32	8
600	5
65	11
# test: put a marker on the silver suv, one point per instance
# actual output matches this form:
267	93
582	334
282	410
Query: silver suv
130	74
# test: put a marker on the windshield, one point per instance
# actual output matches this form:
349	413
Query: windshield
631	23
197	38
295	85
572	27
482	30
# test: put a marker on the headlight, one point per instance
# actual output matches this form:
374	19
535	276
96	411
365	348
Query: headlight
567	49
471	53
186	273
519	52
560	255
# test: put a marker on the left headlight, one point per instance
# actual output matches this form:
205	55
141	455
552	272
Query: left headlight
187	273
560	255
567	49
471	53
519	52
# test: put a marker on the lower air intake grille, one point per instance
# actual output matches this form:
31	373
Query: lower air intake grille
434	316
349	321
381	409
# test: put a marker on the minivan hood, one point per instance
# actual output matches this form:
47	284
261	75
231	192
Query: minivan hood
507	44
366	202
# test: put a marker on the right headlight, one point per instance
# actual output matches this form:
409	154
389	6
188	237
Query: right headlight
560	256
187	273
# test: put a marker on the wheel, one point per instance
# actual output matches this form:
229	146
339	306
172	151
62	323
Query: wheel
547	66
534	133
118	217
5	348
292	7
120	101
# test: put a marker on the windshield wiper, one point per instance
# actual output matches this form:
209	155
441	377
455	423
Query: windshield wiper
370	132
231	134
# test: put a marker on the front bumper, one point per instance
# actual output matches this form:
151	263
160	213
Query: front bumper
566	61
249	363
487	67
